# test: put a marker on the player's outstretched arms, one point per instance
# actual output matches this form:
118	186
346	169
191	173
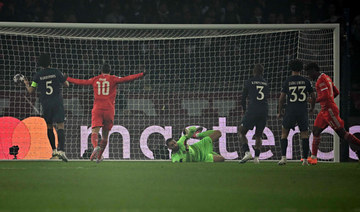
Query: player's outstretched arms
80	81
130	77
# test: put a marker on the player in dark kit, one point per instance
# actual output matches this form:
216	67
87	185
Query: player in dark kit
256	90
49	81
297	90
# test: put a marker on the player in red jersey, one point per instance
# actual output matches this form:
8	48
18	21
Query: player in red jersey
329	114
103	112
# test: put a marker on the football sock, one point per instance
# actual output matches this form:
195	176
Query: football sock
305	147
61	139
94	139
283	144
245	148
51	136
257	152
102	145
315	145
350	138
204	134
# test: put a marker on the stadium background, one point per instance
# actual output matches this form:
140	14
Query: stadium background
197	12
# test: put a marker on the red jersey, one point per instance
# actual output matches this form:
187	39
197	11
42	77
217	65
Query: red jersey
326	92
104	87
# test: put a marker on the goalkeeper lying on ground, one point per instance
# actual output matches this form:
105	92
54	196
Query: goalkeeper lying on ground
201	151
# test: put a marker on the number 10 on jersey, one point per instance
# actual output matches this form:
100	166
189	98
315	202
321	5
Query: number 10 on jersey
103	87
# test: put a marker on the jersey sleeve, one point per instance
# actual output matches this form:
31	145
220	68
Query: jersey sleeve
245	94
323	91
181	142
175	158
35	80
80	81
128	78
309	88
61	76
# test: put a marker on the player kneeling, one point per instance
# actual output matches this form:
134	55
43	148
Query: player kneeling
201	151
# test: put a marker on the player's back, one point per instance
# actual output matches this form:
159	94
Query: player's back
297	89
258	92
49	81
326	87
104	86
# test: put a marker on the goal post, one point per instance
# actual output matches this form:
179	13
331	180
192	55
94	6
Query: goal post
195	77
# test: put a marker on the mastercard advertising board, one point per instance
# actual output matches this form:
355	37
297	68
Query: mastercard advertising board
30	135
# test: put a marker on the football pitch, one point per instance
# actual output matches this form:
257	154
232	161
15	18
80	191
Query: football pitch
163	186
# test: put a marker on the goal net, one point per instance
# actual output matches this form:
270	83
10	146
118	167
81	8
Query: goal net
195	77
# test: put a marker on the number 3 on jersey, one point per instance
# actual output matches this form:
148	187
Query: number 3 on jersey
103	87
260	91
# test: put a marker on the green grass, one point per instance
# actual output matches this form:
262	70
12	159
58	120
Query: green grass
163	186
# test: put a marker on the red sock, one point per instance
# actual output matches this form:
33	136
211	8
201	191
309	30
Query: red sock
315	145
351	139
102	145
94	139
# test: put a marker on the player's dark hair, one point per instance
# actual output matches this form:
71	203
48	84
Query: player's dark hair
258	69
168	141
106	68
312	67
44	60
296	65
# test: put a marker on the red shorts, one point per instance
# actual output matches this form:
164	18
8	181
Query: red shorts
329	117
102	118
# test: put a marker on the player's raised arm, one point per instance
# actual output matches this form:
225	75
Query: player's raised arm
30	89
80	81
129	78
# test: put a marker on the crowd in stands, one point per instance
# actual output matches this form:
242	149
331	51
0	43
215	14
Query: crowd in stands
173	11
195	12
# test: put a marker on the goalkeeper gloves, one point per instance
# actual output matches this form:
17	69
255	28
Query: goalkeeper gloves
189	132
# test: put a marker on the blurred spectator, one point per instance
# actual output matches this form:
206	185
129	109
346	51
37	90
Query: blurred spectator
332	14
293	16
231	15
318	12
257	17
163	13
115	14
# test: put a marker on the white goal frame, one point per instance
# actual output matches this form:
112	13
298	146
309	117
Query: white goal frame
335	27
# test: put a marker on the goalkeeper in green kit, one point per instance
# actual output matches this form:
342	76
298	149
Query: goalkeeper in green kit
201	151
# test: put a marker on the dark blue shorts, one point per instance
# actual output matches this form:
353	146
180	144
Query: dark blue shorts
293	118
53	111
253	119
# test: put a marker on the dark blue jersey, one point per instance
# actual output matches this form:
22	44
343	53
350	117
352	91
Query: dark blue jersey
297	88
48	81
256	89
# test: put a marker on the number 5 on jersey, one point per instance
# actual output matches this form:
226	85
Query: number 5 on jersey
49	88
